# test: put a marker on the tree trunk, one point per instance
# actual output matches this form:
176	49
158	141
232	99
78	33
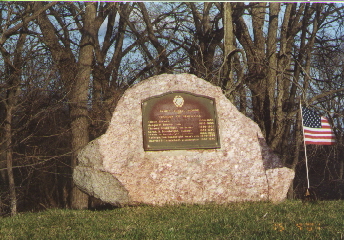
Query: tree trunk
79	98
9	157
228	46
10	104
13	65
76	79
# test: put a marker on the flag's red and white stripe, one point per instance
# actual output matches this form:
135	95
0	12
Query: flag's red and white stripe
320	136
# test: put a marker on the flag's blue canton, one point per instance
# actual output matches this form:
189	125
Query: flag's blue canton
310	118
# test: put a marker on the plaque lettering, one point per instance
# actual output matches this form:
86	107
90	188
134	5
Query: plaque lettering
179	120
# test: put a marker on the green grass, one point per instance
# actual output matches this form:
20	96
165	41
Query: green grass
287	220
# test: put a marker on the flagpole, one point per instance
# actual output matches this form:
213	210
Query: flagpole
304	144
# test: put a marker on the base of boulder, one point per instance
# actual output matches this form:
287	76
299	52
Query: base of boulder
279	180
102	185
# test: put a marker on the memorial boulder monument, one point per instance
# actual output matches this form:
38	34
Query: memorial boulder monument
178	139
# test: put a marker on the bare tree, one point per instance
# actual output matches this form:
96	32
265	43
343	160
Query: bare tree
75	73
278	61
108	85
13	28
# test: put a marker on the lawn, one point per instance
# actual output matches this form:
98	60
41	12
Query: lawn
257	220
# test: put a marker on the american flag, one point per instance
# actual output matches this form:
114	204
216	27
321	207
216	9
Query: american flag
316	129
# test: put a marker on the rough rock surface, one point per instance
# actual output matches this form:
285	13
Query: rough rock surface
243	169
101	185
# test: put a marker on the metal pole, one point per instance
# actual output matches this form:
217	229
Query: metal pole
304	144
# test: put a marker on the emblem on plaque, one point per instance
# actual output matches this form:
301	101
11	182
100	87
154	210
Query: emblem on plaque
178	101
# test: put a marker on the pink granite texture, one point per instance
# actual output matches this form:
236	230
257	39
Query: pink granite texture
243	169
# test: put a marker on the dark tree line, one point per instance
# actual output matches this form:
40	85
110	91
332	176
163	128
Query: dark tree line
64	66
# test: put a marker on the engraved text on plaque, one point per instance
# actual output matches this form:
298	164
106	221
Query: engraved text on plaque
179	120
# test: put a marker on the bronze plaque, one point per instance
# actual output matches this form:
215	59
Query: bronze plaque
179	120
